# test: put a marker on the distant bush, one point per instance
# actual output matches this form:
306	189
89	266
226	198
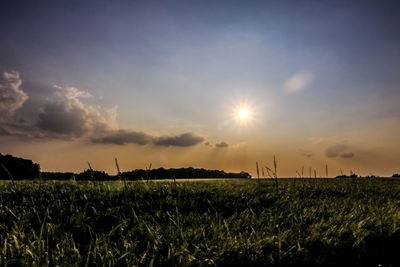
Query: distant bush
57	175
396	175
97	175
347	176
85	175
17	168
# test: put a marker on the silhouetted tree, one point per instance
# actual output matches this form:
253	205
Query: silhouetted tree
18	168
57	175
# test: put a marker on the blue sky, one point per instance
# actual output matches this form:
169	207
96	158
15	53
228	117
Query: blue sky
315	75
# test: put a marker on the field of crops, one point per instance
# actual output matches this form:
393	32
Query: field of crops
312	222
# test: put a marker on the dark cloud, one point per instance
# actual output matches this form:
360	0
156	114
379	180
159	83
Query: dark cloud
19	129
66	114
58	119
12	97
347	155
123	137
335	150
3	131
221	145
186	139
339	150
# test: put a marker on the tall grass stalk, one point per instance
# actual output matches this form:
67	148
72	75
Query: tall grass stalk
277	244
119	174
275	172
326	170
148	169
258	172
8	174
91	171
269	172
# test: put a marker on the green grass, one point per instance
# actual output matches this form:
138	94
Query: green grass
307	222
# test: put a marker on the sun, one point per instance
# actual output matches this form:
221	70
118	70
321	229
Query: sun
243	114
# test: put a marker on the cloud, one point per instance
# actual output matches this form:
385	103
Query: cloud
305	154
122	137
339	150
239	145
298	82
68	114
186	139
347	155
335	150
221	145
65	114
12	97
19	129
56	118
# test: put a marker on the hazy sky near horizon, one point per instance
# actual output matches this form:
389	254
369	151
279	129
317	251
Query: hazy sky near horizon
161	81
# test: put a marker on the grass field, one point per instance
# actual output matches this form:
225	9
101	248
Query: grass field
309	222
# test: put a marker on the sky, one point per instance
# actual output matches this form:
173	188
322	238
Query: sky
162	82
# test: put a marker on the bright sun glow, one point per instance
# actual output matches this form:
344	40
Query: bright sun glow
243	114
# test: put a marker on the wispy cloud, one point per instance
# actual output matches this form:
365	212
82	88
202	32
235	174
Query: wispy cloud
239	145
347	155
221	145
339	150
335	150
305	153
298	82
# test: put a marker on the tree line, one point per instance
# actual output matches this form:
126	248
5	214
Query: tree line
140	174
14	168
